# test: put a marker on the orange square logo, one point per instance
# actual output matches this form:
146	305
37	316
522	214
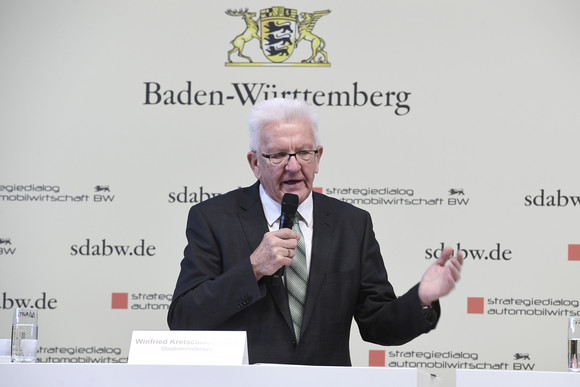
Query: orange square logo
573	252
120	301
317	189
475	305
377	358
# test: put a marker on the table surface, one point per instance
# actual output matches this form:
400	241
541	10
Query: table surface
128	375
488	378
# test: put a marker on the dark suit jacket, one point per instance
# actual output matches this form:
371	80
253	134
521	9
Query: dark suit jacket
217	289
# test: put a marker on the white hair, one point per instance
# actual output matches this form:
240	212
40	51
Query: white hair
280	110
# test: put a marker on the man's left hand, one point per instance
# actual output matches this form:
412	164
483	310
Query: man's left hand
441	277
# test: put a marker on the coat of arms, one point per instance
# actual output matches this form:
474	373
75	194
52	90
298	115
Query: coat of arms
279	30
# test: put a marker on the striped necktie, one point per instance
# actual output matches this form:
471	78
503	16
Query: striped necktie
297	280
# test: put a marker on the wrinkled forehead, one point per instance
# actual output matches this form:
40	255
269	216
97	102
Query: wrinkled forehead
296	134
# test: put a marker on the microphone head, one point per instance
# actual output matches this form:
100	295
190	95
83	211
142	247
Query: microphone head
289	204
289	208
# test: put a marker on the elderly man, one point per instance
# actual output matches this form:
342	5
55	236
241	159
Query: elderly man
332	264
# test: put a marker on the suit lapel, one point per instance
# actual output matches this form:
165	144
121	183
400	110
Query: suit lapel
321	243
252	217
254	224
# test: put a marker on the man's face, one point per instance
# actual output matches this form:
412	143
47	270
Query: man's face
289	176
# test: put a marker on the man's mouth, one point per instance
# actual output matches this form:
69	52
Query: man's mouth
292	182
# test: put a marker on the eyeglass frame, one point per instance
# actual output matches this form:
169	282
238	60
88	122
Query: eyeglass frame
269	156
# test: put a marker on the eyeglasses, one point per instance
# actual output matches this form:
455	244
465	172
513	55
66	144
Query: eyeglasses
303	156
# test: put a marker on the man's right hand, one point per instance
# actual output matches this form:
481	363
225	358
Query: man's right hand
276	250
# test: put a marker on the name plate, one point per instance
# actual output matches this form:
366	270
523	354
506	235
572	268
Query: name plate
188	348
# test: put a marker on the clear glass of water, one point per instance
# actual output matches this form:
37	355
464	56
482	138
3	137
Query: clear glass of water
24	335
573	341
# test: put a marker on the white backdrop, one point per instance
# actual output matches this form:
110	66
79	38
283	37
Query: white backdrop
97	178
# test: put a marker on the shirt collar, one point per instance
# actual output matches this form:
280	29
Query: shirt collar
272	209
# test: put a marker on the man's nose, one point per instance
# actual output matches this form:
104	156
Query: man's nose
292	164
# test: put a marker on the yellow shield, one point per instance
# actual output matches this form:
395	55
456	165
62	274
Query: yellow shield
278	33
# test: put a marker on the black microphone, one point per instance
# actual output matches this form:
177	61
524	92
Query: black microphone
289	207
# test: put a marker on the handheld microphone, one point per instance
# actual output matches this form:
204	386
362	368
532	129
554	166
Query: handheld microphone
289	207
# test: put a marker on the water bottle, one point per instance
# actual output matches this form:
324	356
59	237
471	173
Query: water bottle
24	335
573	347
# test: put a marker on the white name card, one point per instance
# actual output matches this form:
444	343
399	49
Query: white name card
188	348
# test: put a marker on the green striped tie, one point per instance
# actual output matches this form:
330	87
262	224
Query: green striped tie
297	280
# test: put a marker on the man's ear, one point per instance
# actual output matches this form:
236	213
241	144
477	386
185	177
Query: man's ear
253	161
318	156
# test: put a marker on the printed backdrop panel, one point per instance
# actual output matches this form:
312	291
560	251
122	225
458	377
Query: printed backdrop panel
453	123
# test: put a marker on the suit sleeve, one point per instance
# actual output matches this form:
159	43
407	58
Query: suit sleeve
382	317
212	287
